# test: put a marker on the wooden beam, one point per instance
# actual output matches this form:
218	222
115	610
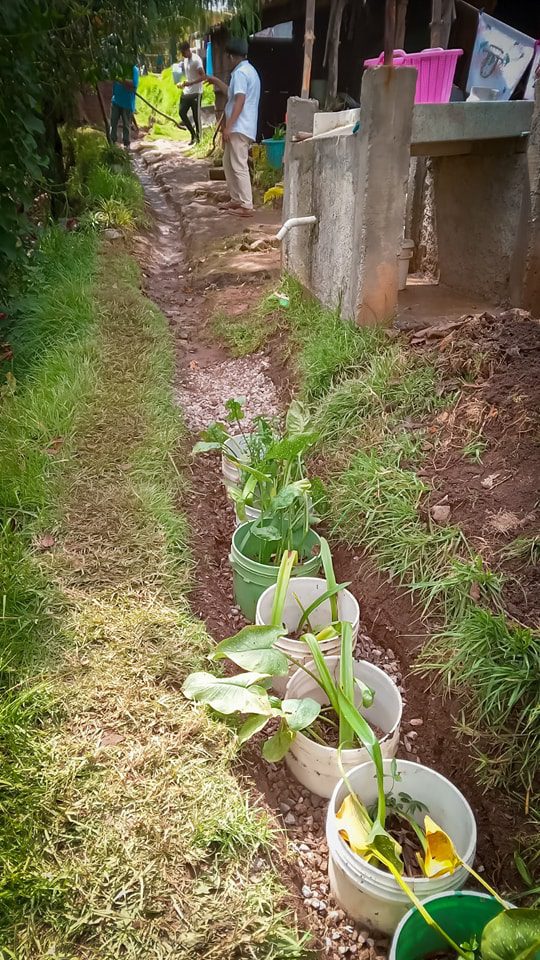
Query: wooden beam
401	22
309	39
436	23
389	31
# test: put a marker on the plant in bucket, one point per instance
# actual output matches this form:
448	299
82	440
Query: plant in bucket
482	927
311	604
382	830
257	464
333	716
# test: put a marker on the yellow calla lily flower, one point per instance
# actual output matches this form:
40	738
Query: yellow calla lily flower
440	854
353	827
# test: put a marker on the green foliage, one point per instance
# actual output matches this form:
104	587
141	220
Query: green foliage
512	935
101	183
161	91
495	667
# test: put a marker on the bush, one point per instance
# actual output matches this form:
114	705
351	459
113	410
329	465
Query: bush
101	181
162	92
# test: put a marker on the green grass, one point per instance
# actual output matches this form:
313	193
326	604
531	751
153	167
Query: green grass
250	331
124	832
101	187
495	666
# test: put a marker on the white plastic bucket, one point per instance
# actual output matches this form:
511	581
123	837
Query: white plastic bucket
404	256
370	895
307	589
316	767
237	446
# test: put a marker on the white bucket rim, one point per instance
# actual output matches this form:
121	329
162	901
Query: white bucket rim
382	875
325	751
299	645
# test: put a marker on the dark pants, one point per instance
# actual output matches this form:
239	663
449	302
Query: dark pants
191	101
125	115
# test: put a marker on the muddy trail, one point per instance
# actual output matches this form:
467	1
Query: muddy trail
390	631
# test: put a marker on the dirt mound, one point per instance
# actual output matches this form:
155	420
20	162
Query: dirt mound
487	463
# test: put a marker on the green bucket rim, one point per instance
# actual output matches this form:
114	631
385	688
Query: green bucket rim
413	913
256	565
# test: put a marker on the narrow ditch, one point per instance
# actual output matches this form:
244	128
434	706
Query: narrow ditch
390	630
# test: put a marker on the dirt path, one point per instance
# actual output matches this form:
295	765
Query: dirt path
188	291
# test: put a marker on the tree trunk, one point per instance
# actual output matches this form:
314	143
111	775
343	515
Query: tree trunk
56	171
401	20
332	49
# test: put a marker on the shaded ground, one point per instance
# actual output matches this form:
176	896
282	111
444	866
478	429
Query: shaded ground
504	350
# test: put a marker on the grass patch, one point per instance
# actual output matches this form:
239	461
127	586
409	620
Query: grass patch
495	666
161	91
125	833
101	187
249	332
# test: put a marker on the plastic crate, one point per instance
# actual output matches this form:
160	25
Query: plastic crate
436	69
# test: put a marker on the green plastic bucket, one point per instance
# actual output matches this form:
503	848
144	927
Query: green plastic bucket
462	915
251	578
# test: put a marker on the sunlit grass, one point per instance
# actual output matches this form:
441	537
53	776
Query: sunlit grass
124	831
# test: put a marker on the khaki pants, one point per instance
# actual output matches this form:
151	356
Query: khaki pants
235	165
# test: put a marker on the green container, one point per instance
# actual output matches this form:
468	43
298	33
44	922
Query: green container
462	915
251	578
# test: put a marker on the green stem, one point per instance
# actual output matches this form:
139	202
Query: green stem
419	906
484	883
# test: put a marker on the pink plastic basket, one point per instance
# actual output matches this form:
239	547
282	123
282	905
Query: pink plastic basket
436	68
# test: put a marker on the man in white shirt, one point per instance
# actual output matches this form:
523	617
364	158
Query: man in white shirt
191	88
240	130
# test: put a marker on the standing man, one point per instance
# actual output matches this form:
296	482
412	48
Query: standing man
123	107
240	130
192	88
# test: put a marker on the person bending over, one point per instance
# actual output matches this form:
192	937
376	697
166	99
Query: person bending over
240	131
191	88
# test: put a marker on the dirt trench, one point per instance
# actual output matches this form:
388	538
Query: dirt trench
178	278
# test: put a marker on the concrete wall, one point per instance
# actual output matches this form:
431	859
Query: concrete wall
296	249
477	206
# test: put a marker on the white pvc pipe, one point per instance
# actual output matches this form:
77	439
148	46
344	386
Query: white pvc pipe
294	222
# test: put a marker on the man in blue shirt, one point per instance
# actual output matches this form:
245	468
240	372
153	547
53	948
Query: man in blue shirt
123	106
240	130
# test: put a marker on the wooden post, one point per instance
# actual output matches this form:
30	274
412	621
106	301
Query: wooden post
389	31
401	21
436	23
309	38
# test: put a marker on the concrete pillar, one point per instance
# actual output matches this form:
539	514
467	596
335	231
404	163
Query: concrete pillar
296	250
382	169
530	298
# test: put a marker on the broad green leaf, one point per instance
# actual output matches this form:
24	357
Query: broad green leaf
266	533
380	841
512	935
297	418
277	746
286	497
290	448
300	714
253	649
228	695
250	727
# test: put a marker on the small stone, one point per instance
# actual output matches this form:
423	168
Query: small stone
342	950
315	903
111	234
412	735
324	865
336	935
284	807
290	820
417	722
440	513
333	916
306	892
